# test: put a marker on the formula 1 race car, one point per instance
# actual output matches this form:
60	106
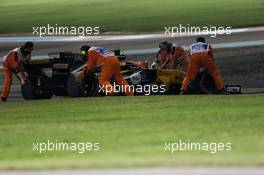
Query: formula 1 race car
142	79
60	75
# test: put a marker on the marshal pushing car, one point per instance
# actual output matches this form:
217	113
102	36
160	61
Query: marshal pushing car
60	75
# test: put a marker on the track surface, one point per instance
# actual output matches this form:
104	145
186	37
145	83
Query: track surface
127	42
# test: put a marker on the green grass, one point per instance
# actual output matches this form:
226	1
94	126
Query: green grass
132	131
19	16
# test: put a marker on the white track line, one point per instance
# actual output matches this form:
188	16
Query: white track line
112	37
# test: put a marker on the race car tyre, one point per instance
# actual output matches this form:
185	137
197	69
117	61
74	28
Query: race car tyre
27	91
72	87
174	89
202	84
44	94
90	86
207	83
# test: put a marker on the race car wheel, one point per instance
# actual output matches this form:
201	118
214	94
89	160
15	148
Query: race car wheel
89	85
202	84
43	94
174	89
30	93
27	91
207	83
72	87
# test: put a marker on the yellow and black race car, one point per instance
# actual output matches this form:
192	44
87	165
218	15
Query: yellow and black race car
61	75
